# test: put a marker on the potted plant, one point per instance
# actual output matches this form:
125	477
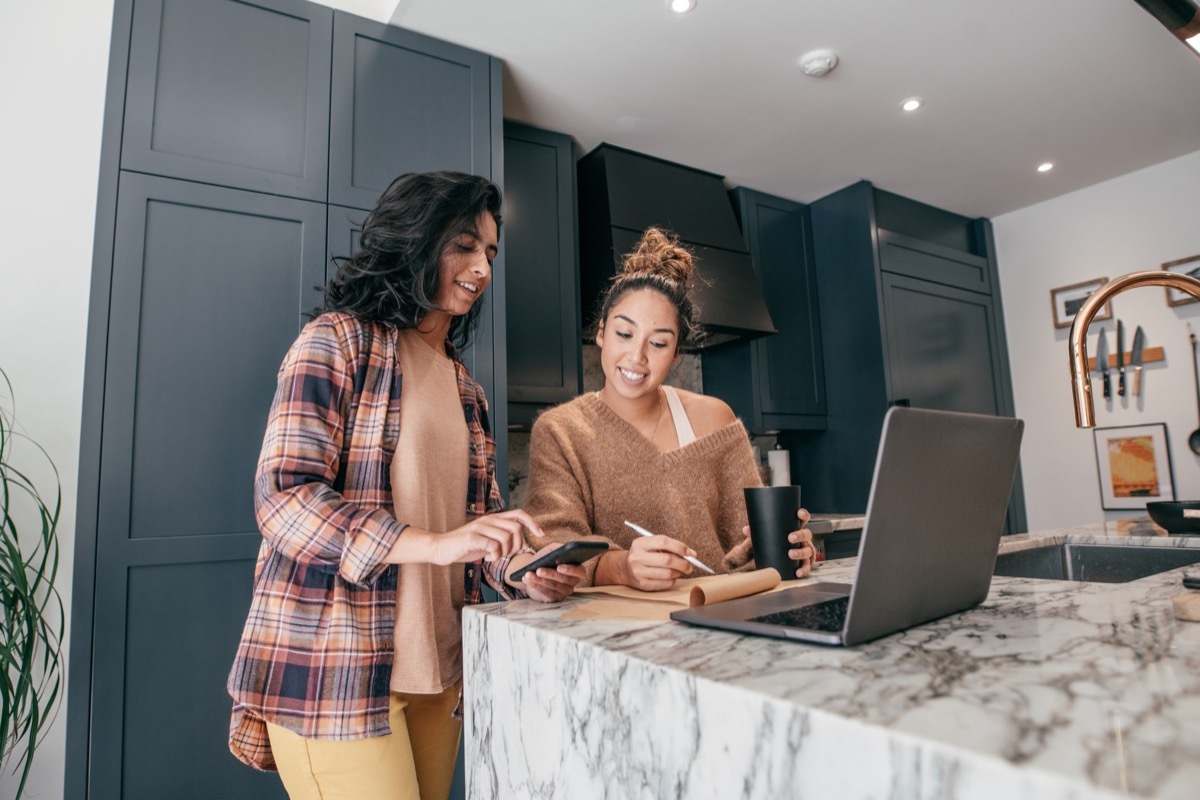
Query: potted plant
31	635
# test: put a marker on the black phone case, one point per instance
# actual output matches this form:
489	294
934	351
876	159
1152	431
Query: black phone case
569	553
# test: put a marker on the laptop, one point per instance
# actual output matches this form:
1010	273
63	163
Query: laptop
934	520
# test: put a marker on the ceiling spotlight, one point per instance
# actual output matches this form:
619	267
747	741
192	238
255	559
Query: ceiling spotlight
912	104
1046	167
818	62
682	6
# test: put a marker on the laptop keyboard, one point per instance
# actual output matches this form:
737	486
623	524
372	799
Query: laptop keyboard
829	615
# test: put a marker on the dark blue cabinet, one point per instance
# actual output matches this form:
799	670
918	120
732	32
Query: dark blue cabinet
226	184
910	316
776	382
235	94
403	102
541	256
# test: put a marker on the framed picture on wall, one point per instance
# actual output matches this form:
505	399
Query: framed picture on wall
1184	266
1134	466
1067	300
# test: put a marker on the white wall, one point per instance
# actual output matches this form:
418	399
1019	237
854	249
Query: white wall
1132	223
54	59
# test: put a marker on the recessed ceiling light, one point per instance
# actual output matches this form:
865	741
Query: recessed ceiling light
682	6
912	104
1045	167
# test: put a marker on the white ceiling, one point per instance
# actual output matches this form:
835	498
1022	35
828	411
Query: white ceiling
1099	87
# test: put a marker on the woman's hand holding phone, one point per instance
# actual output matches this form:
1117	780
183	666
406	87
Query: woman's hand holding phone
549	584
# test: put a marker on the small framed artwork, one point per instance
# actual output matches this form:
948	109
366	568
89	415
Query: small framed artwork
1067	300
1184	266
1134	465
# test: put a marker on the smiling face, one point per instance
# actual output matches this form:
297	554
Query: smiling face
465	267
638	343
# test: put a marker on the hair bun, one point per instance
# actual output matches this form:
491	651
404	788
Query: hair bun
660	253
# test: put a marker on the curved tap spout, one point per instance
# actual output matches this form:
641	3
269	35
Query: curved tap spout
1081	384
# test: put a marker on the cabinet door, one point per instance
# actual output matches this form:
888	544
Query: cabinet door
209	288
776	382
790	367
542	268
942	346
403	102
230	93
933	262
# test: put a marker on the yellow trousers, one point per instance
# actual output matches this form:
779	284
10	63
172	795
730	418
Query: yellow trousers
415	762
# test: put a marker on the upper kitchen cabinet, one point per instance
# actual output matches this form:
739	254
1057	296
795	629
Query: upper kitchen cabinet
230	93
541	256
406	103
776	382
910	315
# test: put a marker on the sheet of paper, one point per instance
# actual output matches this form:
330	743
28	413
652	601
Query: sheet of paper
696	591
625	603
634	610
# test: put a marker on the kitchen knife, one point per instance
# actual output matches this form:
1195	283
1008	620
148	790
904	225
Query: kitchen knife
1135	362
1120	358
1102	363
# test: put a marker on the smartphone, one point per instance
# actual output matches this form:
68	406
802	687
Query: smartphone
575	552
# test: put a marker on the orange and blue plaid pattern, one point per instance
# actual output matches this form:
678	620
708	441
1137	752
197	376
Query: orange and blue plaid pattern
316	652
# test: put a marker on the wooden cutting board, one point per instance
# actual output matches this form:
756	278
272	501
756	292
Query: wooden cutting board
1187	606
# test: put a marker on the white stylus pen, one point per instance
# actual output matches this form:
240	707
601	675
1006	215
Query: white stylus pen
695	562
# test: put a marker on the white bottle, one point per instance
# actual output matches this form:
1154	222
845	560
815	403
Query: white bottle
781	470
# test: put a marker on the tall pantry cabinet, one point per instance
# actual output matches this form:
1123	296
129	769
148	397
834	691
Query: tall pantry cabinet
243	142
910	315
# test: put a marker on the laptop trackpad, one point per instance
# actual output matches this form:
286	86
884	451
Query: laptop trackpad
827	615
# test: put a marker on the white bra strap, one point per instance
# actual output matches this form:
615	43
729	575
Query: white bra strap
683	426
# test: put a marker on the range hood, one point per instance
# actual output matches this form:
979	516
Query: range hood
621	193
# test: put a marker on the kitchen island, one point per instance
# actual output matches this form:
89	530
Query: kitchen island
1049	689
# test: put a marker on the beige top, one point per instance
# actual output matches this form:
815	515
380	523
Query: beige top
590	471
683	426
429	490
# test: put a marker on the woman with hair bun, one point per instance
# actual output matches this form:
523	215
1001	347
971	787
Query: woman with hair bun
670	460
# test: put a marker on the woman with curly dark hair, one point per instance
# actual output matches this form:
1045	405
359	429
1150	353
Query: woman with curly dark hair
377	500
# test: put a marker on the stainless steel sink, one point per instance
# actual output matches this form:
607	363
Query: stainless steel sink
1094	562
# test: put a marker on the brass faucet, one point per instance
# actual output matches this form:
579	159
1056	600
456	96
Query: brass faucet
1081	382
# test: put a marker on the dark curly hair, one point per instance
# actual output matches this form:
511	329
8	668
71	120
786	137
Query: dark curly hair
393	277
661	263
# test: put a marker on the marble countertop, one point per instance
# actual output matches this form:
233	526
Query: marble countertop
823	524
1049	689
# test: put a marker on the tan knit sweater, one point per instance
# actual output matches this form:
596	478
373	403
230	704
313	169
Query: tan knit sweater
590	471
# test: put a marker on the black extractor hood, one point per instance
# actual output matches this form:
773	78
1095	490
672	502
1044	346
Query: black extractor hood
621	193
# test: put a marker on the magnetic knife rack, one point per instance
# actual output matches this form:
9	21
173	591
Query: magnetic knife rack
1149	356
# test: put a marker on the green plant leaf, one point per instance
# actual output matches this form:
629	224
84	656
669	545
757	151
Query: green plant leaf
33	614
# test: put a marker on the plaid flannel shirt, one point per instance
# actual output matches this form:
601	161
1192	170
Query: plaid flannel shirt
316	652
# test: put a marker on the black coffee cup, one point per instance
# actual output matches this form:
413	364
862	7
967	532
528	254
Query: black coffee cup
771	511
